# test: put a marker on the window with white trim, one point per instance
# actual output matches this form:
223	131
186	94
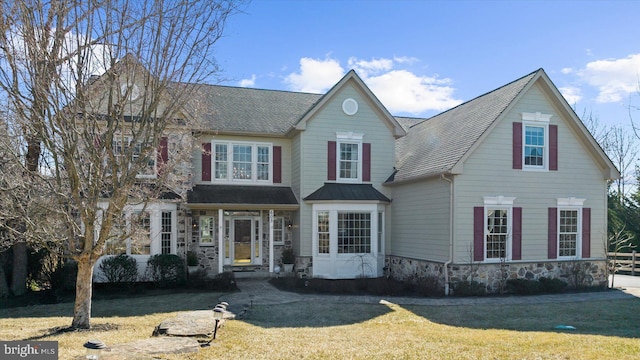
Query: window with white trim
497	234
568	233
354	232
142	231
534	146
498	227
323	232
242	162
122	146
349	157
208	226
569	227
535	141
278	230
346	229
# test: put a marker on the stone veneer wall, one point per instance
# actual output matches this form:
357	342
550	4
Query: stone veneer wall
208	254
494	276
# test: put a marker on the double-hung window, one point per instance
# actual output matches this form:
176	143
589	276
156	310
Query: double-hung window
278	230
569	236
497	233
349	157
123	147
534	146
568	233
535	141
242	162
498	229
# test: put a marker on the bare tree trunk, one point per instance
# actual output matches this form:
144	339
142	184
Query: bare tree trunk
19	275
82	307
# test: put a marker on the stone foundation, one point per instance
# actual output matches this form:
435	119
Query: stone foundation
576	273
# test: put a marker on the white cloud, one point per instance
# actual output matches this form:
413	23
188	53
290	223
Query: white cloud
365	68
572	94
315	76
615	79
248	82
400	90
566	70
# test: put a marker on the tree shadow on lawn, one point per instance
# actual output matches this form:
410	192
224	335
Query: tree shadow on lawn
313	314
608	318
151	302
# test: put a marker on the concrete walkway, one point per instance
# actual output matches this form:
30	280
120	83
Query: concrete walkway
261	292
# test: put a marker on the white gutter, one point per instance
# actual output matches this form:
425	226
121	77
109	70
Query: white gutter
447	290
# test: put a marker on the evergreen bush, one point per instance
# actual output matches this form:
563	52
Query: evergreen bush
166	270
121	269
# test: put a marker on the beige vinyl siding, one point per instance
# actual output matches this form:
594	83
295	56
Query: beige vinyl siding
321	129
488	172
420	220
284	143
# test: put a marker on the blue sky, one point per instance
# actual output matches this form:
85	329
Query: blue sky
423	57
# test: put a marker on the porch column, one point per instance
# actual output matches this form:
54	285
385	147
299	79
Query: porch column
270	241
220	241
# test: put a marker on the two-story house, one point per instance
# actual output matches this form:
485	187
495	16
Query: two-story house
508	183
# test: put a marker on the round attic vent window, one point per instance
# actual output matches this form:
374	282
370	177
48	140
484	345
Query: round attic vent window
350	106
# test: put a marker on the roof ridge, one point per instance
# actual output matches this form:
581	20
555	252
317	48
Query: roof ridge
480	96
253	88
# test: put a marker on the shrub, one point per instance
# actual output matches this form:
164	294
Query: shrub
523	286
552	285
166	270
469	288
121	269
429	286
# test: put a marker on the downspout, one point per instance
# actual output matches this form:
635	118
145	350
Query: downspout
447	289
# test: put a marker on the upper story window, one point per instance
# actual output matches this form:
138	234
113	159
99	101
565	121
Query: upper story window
123	146
242	162
535	141
349	157
349	161
534	146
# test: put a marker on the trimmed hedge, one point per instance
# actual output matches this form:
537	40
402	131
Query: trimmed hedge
121	269
166	270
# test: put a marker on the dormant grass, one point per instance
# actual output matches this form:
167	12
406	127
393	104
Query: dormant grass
321	330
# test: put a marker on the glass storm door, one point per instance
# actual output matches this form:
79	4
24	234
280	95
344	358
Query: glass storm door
243	241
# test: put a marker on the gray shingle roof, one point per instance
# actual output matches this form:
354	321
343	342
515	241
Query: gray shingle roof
241	194
436	145
347	192
236	109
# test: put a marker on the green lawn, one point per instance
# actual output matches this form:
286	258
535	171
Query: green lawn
347	331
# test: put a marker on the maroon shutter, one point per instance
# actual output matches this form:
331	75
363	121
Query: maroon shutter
478	233
517	234
163	154
553	147
586	232
277	164
552	240
366	162
206	162
517	145
331	160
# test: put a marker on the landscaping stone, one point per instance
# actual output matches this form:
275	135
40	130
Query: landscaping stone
194	323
